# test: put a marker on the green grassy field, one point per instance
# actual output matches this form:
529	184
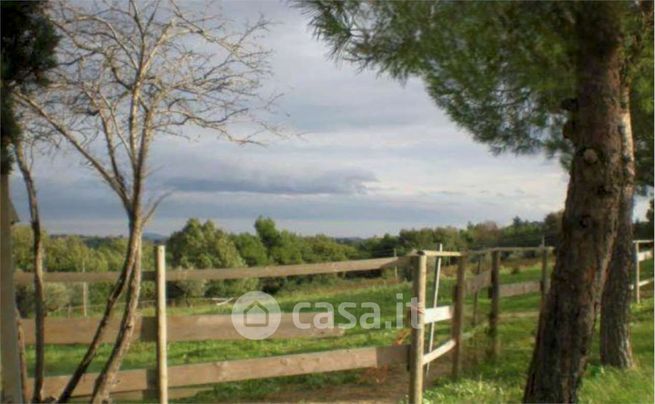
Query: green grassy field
503	380
481	381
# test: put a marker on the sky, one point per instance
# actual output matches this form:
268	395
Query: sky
367	156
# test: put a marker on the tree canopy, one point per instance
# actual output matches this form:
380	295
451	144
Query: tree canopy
499	69
28	43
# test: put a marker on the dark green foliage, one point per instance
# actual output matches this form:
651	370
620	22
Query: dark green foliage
499	69
58	296
322	248
251	249
200	246
283	247
286	248
468	54
553	227
28	43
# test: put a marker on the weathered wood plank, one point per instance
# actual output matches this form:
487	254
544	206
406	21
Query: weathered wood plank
244	369
523	249
458	317
646	282
494	294
25	278
436	314
182	328
522	288
162	329
432	253
439	351
417	337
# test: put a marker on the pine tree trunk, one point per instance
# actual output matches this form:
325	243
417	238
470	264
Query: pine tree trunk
590	220
37	257
615	349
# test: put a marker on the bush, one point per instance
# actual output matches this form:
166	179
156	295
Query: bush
231	287
185	290
57	297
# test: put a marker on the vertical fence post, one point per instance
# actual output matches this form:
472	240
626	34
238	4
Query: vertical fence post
85	293
458	317
475	294
495	304
635	288
416	349
545	280
435	299
395	267
162	365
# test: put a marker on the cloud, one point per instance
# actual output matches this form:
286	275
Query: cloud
338	182
376	156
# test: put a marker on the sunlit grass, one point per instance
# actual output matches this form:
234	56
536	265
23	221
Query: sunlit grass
501	381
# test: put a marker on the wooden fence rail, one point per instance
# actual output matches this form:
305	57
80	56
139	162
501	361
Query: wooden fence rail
202	327
242	369
24	278
640	256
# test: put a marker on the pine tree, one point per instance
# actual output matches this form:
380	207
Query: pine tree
523	77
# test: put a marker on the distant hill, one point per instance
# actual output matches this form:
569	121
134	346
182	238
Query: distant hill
154	237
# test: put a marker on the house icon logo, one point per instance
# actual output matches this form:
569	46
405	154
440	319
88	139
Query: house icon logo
256	315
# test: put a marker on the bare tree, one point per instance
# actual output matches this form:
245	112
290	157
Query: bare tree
129	73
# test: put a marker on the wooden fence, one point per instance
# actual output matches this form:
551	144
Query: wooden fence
422	316
164	329
641	255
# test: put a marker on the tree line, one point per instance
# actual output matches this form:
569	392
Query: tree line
202	245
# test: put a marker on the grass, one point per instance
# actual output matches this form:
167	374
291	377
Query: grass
502	381
481	381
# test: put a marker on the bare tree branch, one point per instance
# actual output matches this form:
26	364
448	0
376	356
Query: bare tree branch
129	73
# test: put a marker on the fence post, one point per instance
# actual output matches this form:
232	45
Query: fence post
85	293
395	267
435	299
416	349
458	317
495	304
162	365
635	288
475	294
545	280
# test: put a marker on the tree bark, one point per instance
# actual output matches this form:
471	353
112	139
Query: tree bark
615	349
590	218
37	257
23	358
107	376
132	256
11	383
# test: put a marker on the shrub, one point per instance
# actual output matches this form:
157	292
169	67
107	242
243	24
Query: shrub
57	297
185	290
231	287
